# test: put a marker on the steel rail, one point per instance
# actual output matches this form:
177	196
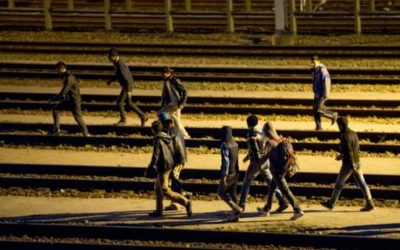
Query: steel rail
22	96
23	139
89	48
190	235
195	132
187	173
210	109
197	188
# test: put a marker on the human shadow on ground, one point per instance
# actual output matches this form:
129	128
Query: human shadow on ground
363	230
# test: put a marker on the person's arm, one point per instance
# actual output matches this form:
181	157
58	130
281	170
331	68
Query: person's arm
347	149
266	154
326	78
182	90
156	155
127	74
64	91
254	148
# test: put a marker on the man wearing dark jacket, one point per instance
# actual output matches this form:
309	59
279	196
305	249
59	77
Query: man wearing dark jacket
68	98
125	79
278	171
256	143
180	156
173	98
321	88
229	172
349	154
162	161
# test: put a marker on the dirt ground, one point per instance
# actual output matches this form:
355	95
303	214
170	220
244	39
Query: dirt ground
382	222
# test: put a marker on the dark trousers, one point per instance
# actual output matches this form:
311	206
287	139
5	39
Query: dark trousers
280	182
227	191
319	110
123	97
75	108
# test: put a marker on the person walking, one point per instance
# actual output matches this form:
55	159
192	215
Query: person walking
229	172
256	143
321	88
180	157
162	163
125	79
173	98
279	152
68	98
349	155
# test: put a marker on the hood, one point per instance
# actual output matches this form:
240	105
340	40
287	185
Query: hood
164	136
270	131
226	133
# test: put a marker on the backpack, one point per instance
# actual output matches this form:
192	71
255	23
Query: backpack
284	158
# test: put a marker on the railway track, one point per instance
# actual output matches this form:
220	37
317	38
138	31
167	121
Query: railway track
109	141
88	48
209	74
177	235
200	132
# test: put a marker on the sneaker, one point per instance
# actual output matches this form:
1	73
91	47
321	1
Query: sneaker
368	207
327	204
143	120
297	215
172	207
243	206
334	118
120	123
282	208
189	208
87	135
188	195
156	214
55	132
234	215
262	212
318	128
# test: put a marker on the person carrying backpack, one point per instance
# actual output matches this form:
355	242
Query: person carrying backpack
280	153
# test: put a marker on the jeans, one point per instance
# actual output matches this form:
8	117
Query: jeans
345	172
319	110
252	172
227	191
122	98
279	181
75	108
162	189
175	113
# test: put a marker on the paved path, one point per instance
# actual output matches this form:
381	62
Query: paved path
382	222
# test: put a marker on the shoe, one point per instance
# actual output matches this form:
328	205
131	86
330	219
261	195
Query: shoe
318	128
55	132
172	207
120	123
262	212
156	214
368	207
334	118
327	204
188	195
189	208
87	135
143	120
234	215
243	206
282	208
297	215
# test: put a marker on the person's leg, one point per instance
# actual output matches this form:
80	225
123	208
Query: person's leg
362	184
176	185
176	116
121	105
267	176
167	191
323	111
344	174
56	117
136	109
251	173
233	189
317	115
283	186
271	190
222	191
77	113
159	197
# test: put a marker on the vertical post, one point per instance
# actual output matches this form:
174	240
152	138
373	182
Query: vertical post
168	16
47	16
357	18
11	4
188	5
280	15
70	4
371	5
229	16
247	5
128	5
292	13
107	15
308	5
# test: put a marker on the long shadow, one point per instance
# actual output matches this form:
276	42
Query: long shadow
365	230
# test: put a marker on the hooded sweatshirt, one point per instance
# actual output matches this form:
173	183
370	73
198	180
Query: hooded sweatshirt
229	153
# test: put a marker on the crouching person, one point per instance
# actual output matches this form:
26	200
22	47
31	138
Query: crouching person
229	172
162	162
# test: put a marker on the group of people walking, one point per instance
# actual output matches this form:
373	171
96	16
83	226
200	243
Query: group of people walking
269	155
